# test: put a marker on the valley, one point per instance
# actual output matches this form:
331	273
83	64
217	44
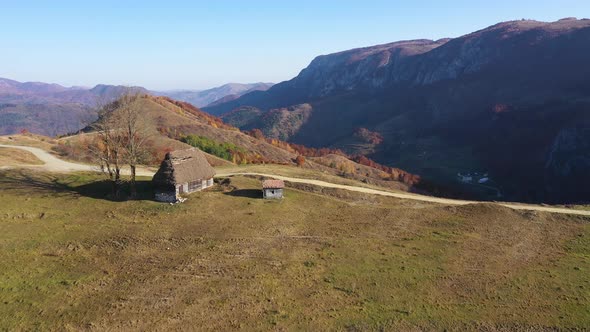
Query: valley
482	102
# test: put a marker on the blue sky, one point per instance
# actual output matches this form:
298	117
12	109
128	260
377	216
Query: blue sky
200	44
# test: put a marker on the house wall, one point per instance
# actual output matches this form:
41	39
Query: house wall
166	196
204	184
272	193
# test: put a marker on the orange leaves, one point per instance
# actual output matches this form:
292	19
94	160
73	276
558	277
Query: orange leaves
189	108
256	133
368	136
300	160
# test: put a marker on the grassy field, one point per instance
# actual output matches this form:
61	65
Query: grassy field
224	260
17	157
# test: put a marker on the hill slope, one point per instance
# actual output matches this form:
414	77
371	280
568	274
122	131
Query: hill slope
176	124
52	109
509	102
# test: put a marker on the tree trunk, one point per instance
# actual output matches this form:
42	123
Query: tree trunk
117	184
132	184
114	189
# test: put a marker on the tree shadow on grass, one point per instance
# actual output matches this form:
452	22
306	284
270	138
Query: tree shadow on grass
103	190
30	182
249	193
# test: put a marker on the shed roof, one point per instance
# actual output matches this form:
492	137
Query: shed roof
273	184
183	166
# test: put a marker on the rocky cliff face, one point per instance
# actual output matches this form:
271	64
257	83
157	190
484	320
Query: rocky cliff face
493	100
424	62
570	153
567	167
366	68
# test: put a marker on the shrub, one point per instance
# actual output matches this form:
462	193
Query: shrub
300	161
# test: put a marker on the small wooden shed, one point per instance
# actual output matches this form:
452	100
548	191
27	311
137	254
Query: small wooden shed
272	189
182	172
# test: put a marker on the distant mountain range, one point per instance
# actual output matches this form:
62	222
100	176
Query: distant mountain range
501	113
224	93
52	109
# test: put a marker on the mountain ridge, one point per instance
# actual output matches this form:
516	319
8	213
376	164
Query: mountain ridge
226	92
52	109
403	47
450	107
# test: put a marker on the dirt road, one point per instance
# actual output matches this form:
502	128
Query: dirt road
54	164
416	197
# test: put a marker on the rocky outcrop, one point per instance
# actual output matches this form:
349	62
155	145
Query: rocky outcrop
368	68
570	153
567	169
423	62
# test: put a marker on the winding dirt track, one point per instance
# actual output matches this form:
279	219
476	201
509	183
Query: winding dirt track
54	164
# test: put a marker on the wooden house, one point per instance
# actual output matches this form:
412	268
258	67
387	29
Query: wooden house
182	172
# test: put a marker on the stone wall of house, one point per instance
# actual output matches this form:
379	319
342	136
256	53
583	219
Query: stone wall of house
272	193
166	196
172	197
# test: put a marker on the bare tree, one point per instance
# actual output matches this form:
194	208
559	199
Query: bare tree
135	128
122	133
108	146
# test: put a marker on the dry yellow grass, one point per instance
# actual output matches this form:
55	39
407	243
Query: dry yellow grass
16	157
38	141
229	260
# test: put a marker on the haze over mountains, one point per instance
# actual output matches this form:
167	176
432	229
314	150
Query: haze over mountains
510	102
224	93
52	109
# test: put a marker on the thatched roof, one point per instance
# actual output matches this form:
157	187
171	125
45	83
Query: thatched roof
183	166
273	184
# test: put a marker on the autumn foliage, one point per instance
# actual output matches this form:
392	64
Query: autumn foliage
346	164
368	136
396	174
300	160
393	174
196	112
295	148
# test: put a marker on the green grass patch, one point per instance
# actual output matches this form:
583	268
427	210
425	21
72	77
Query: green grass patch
223	150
